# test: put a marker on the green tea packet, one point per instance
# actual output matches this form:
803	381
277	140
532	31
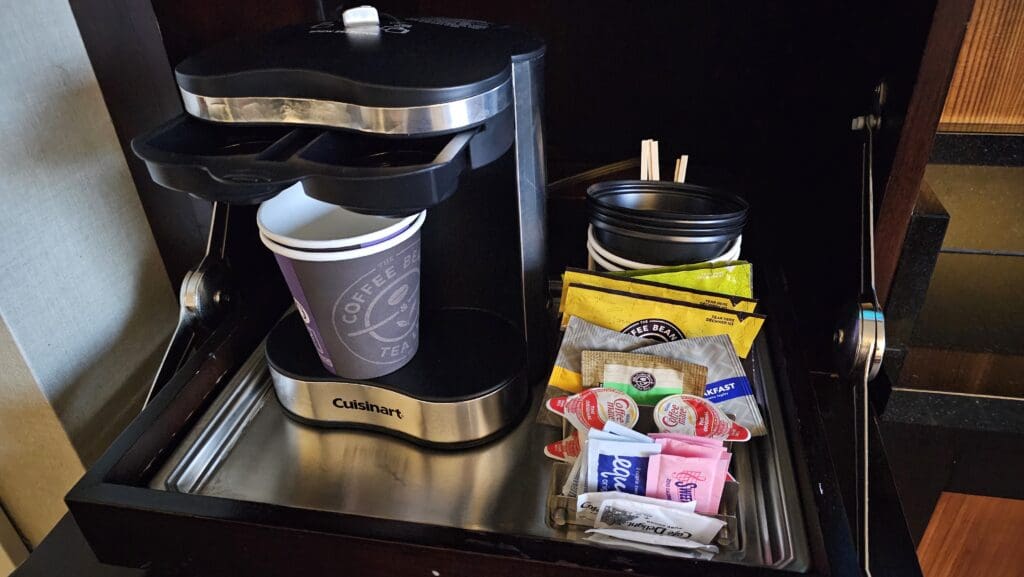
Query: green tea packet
645	378
732	277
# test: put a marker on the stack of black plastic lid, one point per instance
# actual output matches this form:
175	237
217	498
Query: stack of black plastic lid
648	223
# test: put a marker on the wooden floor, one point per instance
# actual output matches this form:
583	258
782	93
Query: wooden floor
970	535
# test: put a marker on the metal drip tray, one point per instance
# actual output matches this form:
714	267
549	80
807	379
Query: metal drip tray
246	448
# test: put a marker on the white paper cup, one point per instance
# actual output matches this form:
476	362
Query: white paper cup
360	302
612	262
295	220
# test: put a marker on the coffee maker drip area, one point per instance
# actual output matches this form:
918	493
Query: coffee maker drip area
434	380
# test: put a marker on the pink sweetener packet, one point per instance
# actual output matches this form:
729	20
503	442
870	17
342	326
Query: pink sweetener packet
681	448
672	444
689	439
722	475
685	479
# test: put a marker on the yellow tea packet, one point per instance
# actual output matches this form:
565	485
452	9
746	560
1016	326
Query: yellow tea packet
731	278
661	319
652	289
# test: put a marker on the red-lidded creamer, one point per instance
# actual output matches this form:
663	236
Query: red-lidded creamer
698	417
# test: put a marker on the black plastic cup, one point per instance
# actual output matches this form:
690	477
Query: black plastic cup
665	223
667	230
660	248
668	201
675	224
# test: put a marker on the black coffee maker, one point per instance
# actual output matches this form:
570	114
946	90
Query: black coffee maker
390	116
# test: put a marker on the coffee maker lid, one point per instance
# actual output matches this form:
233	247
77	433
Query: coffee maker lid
370	73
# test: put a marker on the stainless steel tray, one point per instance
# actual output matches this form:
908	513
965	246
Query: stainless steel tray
245	448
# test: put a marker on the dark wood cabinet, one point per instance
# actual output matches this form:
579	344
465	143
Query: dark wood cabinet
760	95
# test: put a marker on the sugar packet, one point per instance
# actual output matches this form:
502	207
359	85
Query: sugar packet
588	505
616	543
727	386
657	522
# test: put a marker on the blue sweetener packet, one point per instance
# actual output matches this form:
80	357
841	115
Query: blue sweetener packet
618	466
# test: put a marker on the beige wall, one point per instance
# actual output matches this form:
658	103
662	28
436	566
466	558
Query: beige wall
85	304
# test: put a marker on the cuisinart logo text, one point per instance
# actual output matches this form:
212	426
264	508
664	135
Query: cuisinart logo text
369	407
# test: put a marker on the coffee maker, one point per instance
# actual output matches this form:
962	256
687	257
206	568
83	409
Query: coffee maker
390	116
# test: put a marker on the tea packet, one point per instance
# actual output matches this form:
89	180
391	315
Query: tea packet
728	386
732	278
645	378
642	286
661	319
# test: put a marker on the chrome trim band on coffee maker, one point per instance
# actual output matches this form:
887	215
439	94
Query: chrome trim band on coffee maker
378	120
458	423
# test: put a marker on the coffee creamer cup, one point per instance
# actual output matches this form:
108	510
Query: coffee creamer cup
696	416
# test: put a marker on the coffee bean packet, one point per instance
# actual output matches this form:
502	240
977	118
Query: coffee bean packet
661	319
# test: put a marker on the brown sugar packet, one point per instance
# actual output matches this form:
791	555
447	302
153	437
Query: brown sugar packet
645	378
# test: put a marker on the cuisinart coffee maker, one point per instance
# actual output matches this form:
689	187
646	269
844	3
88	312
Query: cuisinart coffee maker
390	116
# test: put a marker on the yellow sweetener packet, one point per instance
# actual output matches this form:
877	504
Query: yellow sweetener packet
651	289
732	277
661	319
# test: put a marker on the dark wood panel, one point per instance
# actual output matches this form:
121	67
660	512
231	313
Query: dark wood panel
914	145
